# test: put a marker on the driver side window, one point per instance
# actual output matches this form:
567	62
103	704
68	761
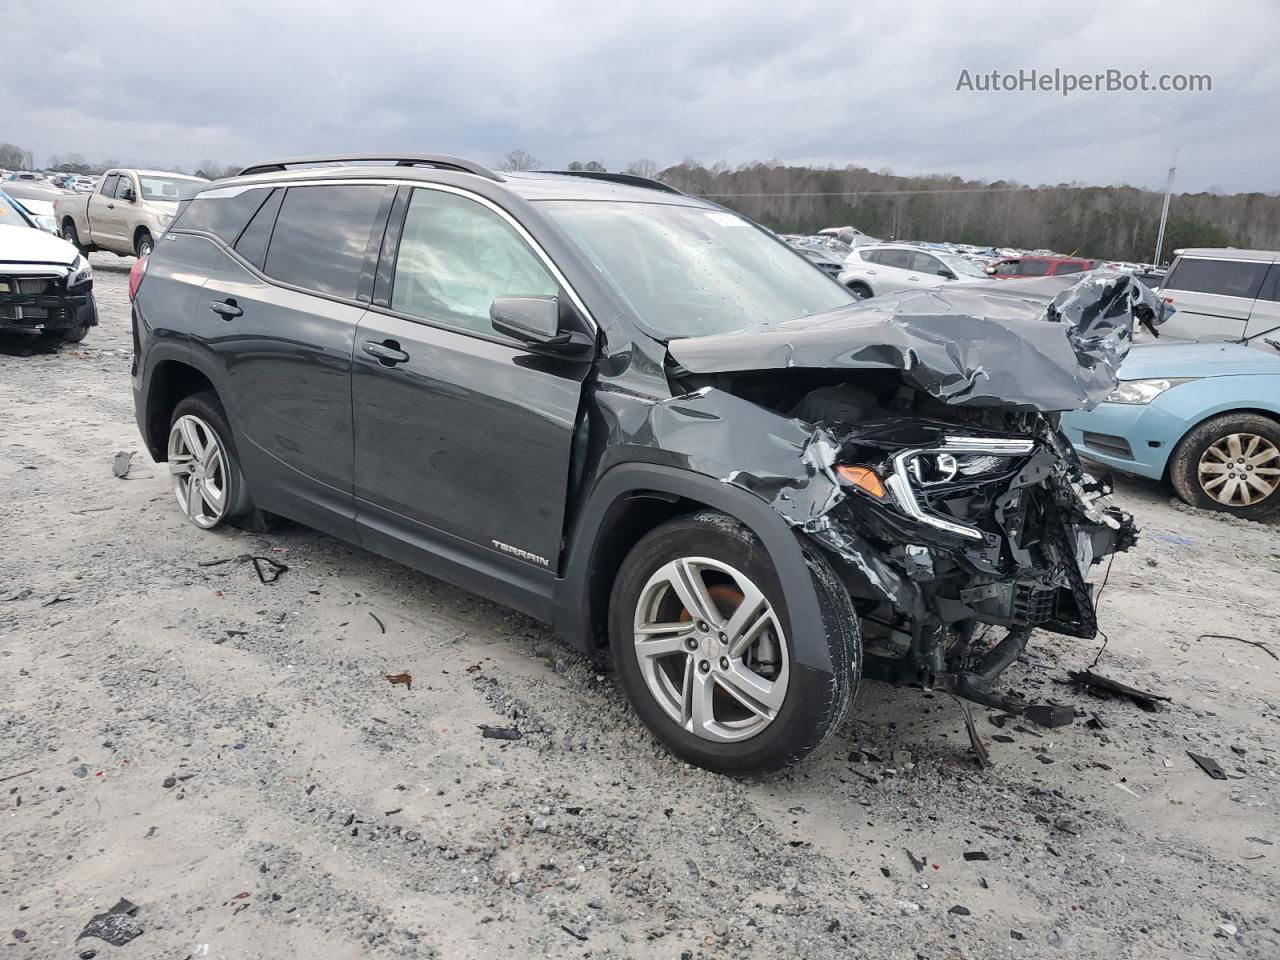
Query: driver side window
456	257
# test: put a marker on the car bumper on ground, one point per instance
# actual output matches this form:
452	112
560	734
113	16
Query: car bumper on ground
1128	437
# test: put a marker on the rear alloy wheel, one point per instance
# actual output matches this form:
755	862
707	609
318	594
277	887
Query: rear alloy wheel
701	639
1230	463
202	463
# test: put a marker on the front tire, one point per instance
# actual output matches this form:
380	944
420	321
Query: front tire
1230	463
860	290
203	463
143	245
71	334
701	637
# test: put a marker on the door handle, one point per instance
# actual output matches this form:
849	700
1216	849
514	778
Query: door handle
914	279
111	206
387	353
226	308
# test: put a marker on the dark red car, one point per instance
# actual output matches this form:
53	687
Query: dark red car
1039	266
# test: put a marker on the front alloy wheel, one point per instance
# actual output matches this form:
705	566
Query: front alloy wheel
1240	469
198	465
711	649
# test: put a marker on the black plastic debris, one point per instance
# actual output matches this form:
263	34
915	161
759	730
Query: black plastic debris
1095	722
975	741
117	926
1050	714
267	569
1253	643
121	464
500	733
976	855
916	862
959	911
1106	687
574	933
1208	765
381	626
1003	738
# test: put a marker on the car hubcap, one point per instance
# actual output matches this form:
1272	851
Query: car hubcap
199	469
1240	469
711	649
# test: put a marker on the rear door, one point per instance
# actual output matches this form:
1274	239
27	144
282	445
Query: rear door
463	436
101	210
1265	314
896	271
1212	297
278	320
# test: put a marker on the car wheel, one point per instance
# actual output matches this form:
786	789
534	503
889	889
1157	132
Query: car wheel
700	634
144	245
1230	463
203	463
860	291
69	234
71	334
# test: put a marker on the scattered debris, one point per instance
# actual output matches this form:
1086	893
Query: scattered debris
117	926
573	933
500	733
381	626
15	776
1208	765
268	570
976	855
1226	930
1106	687
975	741
916	862
59	598
401	679
960	911
121	464
1050	714
1068	824
81	771
1253	643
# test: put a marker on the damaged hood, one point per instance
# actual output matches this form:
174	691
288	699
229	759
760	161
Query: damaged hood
1018	346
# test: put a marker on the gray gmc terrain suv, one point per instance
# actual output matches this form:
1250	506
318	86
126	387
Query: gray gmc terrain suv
643	419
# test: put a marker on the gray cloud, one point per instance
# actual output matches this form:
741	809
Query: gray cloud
871	83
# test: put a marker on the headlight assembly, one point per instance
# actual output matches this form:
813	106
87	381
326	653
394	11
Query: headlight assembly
1143	391
81	273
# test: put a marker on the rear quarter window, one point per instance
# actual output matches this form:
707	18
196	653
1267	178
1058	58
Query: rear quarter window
1228	278
1033	268
221	217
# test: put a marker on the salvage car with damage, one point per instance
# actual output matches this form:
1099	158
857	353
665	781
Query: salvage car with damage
46	285
641	418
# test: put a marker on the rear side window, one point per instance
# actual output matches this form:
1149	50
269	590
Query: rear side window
896	258
1229	278
1033	268
1271	287
1007	269
1067	268
252	244
223	217
321	235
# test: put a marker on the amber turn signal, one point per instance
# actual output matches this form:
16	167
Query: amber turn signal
864	478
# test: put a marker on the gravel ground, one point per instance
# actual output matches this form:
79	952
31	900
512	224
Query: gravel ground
230	757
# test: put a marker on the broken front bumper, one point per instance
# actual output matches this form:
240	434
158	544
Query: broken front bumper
43	304
1008	544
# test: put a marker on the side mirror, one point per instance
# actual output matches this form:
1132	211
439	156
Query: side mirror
990	270
128	196
535	321
947	274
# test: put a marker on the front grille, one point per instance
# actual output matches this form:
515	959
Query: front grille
33	285
46	288
1033	604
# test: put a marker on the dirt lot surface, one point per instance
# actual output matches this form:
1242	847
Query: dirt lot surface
230	756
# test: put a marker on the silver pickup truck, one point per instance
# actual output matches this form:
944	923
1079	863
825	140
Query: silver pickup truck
127	210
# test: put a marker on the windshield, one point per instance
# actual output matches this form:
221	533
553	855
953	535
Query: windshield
691	271
12	214
962	267
169	188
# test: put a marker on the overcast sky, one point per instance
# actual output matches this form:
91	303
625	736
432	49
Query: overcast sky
869	83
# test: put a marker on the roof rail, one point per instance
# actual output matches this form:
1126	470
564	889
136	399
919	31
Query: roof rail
438	161
628	179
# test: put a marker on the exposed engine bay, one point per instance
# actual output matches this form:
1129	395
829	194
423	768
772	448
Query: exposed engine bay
946	511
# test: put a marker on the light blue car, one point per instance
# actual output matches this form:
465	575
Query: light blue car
1205	416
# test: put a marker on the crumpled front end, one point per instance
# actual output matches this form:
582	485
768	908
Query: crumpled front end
39	298
931	470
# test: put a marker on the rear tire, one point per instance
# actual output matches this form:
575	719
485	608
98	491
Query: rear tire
70	235
781	711
1230	463
203	463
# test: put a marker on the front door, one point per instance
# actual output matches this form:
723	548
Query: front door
462	436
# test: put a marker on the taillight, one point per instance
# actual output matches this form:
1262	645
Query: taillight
136	274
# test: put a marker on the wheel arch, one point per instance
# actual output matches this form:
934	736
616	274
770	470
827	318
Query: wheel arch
630	500
141	229
171	381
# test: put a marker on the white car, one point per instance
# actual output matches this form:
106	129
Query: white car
46	286
885	267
